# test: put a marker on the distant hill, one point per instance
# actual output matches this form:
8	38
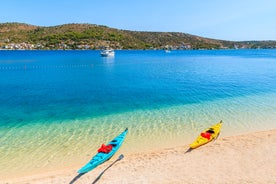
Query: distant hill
90	36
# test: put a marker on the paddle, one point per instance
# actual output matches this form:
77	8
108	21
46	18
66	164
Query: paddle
118	159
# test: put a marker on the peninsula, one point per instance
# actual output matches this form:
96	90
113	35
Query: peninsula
20	36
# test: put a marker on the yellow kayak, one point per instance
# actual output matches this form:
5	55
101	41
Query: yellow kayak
207	136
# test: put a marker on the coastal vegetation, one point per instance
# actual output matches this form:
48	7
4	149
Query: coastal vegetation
91	36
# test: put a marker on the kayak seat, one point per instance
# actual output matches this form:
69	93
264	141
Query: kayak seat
113	145
211	131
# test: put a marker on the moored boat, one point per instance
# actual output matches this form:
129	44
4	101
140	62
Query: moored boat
167	50
108	53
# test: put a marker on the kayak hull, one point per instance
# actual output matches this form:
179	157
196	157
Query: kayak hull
100	158
203	140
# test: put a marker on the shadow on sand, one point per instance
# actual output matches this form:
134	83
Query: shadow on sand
76	178
188	150
118	159
80	175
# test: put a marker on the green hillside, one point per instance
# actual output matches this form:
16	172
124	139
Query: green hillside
90	36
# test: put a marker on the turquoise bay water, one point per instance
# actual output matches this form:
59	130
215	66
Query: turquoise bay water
57	107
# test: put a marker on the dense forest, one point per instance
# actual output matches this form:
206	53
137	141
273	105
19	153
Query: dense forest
90	36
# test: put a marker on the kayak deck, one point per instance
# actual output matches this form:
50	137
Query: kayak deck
207	135
101	157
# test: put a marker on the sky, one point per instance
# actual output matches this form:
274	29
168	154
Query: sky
235	20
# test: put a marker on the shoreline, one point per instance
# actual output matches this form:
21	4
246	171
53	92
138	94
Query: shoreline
233	159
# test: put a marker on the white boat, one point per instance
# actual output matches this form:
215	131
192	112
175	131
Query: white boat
108	53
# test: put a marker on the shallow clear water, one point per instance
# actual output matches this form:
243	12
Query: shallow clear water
57	107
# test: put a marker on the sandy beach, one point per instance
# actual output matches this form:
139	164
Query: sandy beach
247	158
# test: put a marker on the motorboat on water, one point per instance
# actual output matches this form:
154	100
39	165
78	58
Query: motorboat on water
108	53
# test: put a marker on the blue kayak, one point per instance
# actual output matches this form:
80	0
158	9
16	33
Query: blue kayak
101	157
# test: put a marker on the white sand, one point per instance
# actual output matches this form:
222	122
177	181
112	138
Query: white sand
249	158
